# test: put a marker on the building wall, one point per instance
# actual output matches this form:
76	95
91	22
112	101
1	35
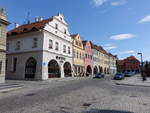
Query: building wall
2	66
26	42
128	64
112	65
101	57
42	53
96	59
21	63
89	59
78	56
3	24
47	57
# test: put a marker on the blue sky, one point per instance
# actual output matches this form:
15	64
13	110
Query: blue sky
121	26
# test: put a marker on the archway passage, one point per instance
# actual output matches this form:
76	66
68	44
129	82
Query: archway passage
101	69
53	69
67	69
95	70
30	68
88	70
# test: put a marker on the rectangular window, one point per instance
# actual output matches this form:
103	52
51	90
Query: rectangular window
77	55
34	43
50	44
17	45
80	44
65	31
56	26
57	46
64	48
85	55
7	46
80	56
14	64
0	67
69	51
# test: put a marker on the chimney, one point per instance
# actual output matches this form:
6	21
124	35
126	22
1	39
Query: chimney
16	25
37	19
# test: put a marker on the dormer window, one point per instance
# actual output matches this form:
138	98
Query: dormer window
56	26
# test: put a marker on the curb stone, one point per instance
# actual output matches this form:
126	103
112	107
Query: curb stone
132	85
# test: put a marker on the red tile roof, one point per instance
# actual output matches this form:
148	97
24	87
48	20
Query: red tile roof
84	42
74	35
29	27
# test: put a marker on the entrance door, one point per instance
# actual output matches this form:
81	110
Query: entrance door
67	69
88	70
53	69
30	68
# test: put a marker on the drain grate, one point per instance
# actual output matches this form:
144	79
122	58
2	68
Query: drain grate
30	94
86	104
133	96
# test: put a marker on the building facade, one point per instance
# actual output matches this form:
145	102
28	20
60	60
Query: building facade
78	55
3	32
96	60
40	50
88	58
112	64
101	57
130	64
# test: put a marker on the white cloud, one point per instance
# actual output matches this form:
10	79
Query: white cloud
127	52
109	47
146	19
118	3
122	36
99	2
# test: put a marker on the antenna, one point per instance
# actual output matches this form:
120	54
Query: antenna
28	18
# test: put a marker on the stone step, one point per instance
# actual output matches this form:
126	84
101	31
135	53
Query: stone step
9	87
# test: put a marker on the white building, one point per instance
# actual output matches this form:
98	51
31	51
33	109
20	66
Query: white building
112	64
40	50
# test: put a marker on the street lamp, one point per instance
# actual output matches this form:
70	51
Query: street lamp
143	75
141	58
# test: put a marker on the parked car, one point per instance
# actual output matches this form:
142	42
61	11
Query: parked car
99	75
119	76
128	74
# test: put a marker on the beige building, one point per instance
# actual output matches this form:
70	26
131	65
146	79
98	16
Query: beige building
78	55
3	24
101	57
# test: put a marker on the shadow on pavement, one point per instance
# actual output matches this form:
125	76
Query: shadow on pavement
105	111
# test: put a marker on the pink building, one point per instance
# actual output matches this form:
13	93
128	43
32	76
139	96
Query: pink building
88	59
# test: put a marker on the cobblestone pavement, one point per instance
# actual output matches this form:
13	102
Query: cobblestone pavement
135	80
76	96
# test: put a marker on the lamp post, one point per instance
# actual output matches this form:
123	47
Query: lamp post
143	75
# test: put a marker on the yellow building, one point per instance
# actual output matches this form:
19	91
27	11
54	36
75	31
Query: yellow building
101	59
78	55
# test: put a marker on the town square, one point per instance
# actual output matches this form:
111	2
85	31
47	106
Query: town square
74	56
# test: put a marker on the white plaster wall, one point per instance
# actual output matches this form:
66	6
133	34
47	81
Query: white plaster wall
26	43
47	57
